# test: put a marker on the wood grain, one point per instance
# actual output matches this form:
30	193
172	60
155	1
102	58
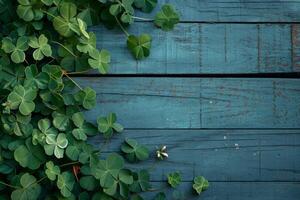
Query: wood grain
296	47
219	155
236	10
204	48
238	191
198	103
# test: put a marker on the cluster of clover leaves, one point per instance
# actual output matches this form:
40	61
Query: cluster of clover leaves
44	152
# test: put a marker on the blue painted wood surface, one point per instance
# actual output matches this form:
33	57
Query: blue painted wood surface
243	134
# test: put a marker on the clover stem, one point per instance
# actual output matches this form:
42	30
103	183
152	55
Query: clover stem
50	14
38	181
156	189
141	18
72	80
71	163
103	146
26	61
71	73
66	48
8	185
123	29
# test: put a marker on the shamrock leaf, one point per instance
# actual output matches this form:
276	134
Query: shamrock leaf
160	196
145	5
65	182
134	151
34	78
107	171
100	60
139	46
200	184
22	98
166	18
44	125
79	132
29	156
52	171
141	181
27	10
30	189
55	144
107	125
88	183
66	24
42	47
86	97
82	28
17	51
61	120
87	44
174	179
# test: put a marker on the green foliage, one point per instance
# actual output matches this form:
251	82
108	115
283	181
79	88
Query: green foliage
200	184
160	196
134	151
174	179
44	149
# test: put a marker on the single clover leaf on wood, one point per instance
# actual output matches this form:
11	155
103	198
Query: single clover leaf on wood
99	60
17	50
174	179
55	144
65	182
52	171
134	151
107	125
30	189
200	184
145	5
41	46
139	46
22	98
167	18
86	97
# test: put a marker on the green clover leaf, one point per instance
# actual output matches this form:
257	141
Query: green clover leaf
86	97
167	18
65	182
55	144
160	196
36	79
16	50
174	179
141	181
42	47
100	60
87	45
133	151
52	171
145	5
22	98
79	132
139	46
28	11
88	183
200	184
107	125
30	189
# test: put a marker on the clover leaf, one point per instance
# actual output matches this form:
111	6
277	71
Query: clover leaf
52	171
55	144
28	11
107	125
61	120
16	50
30	189
200	184
174	179
28	155
86	97
35	79
141	181
145	5
22	98
42	47
139	46
87	44
133	151
100	60
167	18
65	182
160	196
79	132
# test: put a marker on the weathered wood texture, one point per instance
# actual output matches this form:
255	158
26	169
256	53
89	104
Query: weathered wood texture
236	10
220	155
197	102
205	48
239	191
296	47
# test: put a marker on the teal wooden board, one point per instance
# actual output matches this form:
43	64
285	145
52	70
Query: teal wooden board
238	191
296	47
236	10
198	102
219	155
204	48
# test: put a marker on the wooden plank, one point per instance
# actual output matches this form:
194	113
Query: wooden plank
237	191
198	103
219	155
235	10
296	47
203	48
